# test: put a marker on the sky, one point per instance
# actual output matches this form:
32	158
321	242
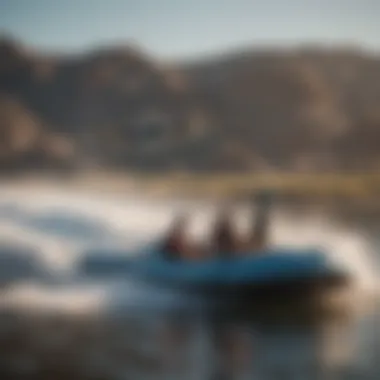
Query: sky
173	29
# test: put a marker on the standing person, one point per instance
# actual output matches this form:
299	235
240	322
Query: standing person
258	238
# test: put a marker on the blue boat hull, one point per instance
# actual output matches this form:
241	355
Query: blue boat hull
267	285
262	270
266	274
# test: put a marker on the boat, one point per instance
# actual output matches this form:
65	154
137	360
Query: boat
277	272
266	276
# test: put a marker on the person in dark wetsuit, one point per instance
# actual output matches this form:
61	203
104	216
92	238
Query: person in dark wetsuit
175	245
224	240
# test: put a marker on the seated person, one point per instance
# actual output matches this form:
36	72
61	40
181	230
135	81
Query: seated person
175	245
224	240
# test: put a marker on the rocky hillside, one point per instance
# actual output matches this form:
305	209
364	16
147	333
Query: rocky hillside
298	110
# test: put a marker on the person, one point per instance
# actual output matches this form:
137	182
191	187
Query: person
224	240
175	245
258	238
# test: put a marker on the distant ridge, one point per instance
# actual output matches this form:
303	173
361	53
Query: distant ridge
303	109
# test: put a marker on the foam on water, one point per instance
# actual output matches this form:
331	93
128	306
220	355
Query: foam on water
129	221
343	245
33	296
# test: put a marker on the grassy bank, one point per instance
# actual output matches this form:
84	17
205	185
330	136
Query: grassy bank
344	186
362	186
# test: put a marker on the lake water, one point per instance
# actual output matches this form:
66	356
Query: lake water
57	323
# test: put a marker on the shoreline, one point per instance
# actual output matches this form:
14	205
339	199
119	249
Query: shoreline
325	188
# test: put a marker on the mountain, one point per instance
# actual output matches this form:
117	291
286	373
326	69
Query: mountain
256	110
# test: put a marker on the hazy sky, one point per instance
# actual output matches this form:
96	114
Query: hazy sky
183	28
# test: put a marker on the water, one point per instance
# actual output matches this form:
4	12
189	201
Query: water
56	322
